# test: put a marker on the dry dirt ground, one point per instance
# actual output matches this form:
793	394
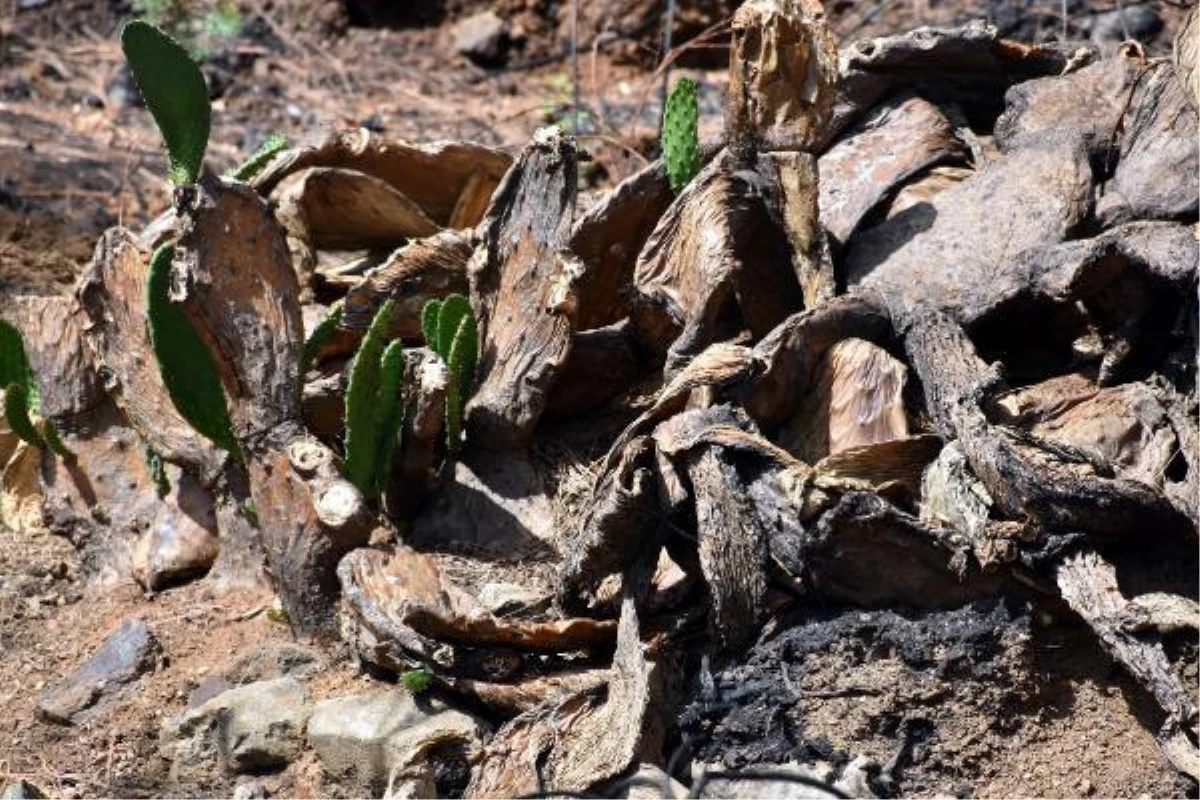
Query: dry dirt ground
77	155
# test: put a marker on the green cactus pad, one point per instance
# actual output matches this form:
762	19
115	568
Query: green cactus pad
319	337
391	376
429	323
184	361
14	364
464	356
362	403
454	309
275	143
16	411
176	94
680	140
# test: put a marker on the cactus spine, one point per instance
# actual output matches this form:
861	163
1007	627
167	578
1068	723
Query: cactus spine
372	406
187	368
176	94
680	140
451	332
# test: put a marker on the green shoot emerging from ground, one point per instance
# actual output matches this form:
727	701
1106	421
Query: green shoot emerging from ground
319	337
373	406
176	94
680	140
416	680
450	331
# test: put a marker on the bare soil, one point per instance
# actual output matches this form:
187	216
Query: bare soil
1023	700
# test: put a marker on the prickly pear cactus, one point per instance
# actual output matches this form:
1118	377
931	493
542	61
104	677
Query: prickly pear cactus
14	365
391	376
429	324
175	92
455	308
319	337
187	368
461	362
16	411
450	331
21	396
362	404
680	140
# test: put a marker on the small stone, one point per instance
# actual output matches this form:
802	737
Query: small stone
482	37
1086	787
648	782
130	651
361	739
261	662
252	728
503	599
250	790
21	790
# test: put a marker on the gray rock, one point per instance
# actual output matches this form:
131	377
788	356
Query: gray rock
21	790
251	789
128	652
647	782
794	781
482	37
262	662
370	742
505	599
256	727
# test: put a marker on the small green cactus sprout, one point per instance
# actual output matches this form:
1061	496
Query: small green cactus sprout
429	323
680	141
464	355
455	308
416	680
21	396
319	337
274	144
184	361
176	94
391	375
450	331
373	406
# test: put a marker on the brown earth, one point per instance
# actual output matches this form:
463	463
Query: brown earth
77	156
